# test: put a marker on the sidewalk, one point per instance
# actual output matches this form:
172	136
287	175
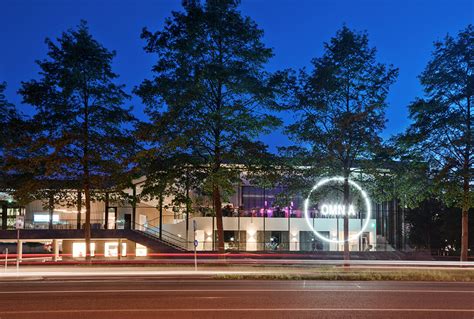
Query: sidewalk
239	272
103	271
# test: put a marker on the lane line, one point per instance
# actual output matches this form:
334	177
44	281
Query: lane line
234	310
233	290
304	283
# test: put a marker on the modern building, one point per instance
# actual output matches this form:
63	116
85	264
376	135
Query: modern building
253	222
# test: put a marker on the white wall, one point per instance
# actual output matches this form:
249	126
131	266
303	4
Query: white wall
252	225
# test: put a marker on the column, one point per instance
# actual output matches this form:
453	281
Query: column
79	208
134	206
19	250
106	221
55	250
119	253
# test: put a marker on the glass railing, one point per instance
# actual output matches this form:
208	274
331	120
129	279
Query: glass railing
62	224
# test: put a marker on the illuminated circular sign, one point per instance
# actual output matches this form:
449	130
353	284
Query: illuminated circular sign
336	208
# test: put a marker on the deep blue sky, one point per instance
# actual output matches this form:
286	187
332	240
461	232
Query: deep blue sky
402	30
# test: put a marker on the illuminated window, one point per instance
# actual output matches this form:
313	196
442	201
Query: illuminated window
140	250
42	218
111	249
79	249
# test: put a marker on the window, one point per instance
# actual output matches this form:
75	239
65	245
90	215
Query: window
140	250
310	242
111	249
79	249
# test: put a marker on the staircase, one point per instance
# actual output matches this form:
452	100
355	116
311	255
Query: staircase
150	237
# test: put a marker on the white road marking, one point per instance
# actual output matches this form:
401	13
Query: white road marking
306	283
234	290
233	310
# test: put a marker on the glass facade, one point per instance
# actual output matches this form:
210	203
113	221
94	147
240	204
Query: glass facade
268	203
310	242
260	202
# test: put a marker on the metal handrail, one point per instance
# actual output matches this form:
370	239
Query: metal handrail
166	236
157	230
164	239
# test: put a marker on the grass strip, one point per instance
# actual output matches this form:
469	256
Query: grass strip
402	275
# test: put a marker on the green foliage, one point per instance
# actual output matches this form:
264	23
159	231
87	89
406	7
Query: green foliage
340	105
78	135
435	226
14	137
397	173
441	132
209	89
79	111
8	115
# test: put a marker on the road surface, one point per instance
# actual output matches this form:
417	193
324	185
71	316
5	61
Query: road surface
172	297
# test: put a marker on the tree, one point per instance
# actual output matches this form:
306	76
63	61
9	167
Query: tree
434	226
79	109
339	108
166	174
441	128
209	89
18	172
9	118
7	113
401	174
16	132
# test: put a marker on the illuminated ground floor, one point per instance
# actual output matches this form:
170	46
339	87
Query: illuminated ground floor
61	249
276	234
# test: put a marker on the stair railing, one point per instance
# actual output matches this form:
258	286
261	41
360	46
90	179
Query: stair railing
166	237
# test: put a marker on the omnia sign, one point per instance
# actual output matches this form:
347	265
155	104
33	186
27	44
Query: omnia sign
337	210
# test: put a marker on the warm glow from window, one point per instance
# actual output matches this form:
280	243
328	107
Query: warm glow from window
111	249
79	249
140	250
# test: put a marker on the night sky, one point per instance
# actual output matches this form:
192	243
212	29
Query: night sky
402	30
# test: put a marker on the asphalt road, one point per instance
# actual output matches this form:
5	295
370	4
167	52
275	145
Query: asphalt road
148	297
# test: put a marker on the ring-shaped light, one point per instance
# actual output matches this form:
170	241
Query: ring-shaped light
355	185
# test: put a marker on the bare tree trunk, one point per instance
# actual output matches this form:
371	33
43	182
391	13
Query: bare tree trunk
216	196
86	181
134	207
346	219
187	209
87	227
106	213
161	215
464	235
51	209
466	187
79	209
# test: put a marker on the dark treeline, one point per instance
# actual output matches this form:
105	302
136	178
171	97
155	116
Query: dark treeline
210	99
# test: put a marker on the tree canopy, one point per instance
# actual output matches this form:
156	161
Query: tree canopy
340	108
85	130
209	89
441	131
